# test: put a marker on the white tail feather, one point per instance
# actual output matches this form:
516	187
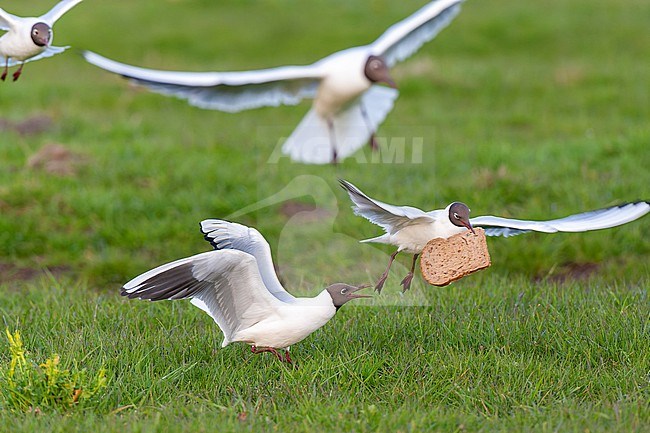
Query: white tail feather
311	142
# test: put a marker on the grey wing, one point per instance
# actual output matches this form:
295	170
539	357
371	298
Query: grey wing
58	10
403	39
582	222
225	284
7	20
390	218
224	91
49	52
228	235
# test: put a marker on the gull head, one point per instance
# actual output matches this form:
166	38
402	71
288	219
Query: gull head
376	70
342	293
41	34
459	215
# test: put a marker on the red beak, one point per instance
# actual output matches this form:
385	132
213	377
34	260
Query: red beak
353	295
390	83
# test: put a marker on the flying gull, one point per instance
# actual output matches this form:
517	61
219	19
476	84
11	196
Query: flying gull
348	107
29	39
409	228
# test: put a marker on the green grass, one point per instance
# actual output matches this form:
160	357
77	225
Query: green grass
523	109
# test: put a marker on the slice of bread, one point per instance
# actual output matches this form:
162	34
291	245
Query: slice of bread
446	260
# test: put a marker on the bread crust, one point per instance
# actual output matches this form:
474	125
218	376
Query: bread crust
446	260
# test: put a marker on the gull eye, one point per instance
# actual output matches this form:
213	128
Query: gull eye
344	291
456	216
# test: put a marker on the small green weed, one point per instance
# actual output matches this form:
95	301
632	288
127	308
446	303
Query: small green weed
26	386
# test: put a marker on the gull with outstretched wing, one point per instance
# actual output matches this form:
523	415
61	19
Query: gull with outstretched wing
348	105
237	286
29	39
410	229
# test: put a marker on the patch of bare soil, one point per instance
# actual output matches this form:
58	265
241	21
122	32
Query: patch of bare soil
30	126
10	272
56	159
573	272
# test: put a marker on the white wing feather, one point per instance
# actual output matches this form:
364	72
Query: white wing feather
227	235
225	91
224	283
58	10
390	218
403	39
7	20
582	222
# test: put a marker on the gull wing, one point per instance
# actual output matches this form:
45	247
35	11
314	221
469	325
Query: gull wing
224	91
49	52
58	10
403	39
582	222
224	235
226	284
390	218
7	20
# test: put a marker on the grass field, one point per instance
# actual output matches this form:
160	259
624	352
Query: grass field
522	110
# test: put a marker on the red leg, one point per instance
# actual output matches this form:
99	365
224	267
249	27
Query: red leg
255	350
287	358
382	279
19	71
406	282
373	143
4	73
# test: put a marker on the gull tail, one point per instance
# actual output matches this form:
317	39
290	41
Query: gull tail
383	239
311	142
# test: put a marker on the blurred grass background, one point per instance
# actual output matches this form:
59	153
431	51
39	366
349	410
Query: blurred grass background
523	109
521	112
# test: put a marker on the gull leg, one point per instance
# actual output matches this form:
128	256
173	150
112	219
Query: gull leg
406	282
4	73
19	71
257	350
382	279
373	143
330	125
287	358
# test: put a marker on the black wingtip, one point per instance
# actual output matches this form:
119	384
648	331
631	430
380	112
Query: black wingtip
348	187
211	241
208	238
627	203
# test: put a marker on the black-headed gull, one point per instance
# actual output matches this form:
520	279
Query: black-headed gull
29	39
237	286
409	228
347	108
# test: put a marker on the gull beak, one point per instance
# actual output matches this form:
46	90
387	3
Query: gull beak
389	82
469	226
353	295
